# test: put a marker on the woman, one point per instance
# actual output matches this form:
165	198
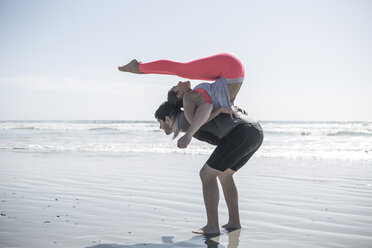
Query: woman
236	140
205	101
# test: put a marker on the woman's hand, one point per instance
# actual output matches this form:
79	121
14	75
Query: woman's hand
184	141
241	110
229	111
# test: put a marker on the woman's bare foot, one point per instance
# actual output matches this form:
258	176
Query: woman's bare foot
132	67
229	226
207	230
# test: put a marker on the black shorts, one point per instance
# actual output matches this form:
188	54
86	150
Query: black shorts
236	148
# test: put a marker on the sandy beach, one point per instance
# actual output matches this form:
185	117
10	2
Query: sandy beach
85	161
154	200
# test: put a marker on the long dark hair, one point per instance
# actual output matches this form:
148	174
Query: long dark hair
172	98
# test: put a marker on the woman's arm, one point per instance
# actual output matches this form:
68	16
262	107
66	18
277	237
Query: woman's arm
197	113
202	114
190	104
214	114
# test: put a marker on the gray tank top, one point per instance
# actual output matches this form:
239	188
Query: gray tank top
219	126
219	92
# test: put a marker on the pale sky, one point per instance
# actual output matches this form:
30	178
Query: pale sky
304	60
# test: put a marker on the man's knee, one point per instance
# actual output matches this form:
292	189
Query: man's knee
208	173
226	176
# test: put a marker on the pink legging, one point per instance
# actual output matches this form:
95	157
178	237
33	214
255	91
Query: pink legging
210	68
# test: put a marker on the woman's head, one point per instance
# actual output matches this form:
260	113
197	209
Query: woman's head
176	93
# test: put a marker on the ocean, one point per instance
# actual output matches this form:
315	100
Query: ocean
126	184
293	140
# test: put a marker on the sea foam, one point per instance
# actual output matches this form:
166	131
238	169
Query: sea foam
304	140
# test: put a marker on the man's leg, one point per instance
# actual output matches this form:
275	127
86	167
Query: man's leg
211	195
231	197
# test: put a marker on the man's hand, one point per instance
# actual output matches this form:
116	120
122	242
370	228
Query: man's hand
183	141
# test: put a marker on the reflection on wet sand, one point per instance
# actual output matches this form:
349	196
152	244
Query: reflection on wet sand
202	241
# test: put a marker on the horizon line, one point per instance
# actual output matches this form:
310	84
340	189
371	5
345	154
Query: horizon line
154	120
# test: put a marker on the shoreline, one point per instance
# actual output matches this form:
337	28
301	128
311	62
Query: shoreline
96	200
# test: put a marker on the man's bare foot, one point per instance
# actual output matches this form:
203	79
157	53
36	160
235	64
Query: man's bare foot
132	67
207	230
229	226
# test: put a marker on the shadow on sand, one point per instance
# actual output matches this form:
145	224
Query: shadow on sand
201	241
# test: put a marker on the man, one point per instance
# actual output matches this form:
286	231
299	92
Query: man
236	140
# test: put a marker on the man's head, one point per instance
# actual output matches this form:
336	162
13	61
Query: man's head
176	93
165	115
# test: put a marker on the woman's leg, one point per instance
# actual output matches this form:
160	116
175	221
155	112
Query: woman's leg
233	90
132	67
210	68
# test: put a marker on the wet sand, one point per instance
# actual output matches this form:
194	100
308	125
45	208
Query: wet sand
155	200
